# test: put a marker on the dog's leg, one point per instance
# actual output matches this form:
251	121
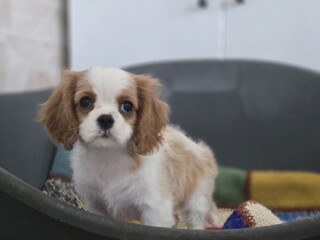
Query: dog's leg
160	215
213	215
93	204
195	212
95	207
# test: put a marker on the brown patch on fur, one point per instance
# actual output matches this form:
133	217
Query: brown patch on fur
131	96
187	165
152	116
83	89
58	114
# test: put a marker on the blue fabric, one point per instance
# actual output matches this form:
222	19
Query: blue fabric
291	216
236	220
61	163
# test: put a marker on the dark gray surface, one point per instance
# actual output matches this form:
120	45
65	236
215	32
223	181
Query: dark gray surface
25	149
255	115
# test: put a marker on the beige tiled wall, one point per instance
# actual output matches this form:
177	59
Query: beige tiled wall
32	44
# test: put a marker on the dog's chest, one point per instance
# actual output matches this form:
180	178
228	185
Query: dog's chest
118	183
111	179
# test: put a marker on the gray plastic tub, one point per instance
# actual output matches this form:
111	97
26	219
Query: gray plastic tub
255	115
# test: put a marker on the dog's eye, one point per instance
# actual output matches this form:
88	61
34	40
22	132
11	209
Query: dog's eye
126	106
86	102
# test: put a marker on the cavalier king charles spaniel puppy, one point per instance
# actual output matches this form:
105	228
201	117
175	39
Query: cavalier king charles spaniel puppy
127	162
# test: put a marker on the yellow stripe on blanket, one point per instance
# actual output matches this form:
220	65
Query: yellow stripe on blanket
285	190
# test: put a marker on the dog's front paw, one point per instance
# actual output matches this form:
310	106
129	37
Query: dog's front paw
158	216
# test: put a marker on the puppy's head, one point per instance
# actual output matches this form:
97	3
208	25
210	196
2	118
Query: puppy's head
106	107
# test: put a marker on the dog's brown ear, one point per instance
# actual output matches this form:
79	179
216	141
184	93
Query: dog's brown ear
58	114
152	115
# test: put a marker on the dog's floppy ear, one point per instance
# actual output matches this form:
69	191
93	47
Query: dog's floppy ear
152	115
58	114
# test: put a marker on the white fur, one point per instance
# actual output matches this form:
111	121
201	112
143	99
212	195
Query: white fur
107	83
105	179
198	208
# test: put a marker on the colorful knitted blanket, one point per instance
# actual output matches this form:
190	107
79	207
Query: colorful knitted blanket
290	195
277	190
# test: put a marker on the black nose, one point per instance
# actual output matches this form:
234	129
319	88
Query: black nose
105	121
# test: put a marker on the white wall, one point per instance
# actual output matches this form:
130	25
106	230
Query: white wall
282	30
120	33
